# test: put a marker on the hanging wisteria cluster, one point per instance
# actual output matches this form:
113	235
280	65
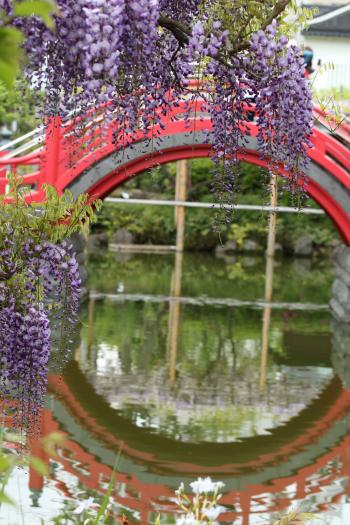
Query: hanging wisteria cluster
39	296
29	274
139	56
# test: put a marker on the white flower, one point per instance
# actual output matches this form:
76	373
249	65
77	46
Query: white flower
205	485
213	512
83	505
188	519
181	489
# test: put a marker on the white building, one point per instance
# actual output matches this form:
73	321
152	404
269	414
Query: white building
329	38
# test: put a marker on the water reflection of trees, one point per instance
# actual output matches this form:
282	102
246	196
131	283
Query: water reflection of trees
215	395
239	276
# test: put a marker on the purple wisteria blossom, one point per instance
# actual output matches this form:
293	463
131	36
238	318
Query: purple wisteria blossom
37	282
131	54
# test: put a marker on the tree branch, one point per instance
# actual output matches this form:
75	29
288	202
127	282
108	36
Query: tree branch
180	32
183	33
275	13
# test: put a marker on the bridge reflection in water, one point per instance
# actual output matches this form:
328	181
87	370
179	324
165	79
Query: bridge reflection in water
191	405
307	458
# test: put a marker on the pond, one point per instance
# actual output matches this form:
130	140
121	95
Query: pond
169	373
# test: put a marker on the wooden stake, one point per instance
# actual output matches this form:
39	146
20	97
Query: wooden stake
175	288
181	194
271	241
270	254
174	316
91	319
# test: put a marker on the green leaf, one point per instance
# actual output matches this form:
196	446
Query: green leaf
44	9
5	499
39	466
10	53
5	464
102	511
50	442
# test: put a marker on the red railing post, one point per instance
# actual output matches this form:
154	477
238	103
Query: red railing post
53	137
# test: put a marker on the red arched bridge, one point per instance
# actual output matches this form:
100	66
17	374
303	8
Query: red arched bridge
93	161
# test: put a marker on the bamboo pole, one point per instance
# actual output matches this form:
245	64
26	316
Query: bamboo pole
91	320
270	254
175	288
181	194
271	241
216	206
174	315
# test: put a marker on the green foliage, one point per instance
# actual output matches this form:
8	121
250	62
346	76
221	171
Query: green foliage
156	225
40	8
11	38
53	219
10	54
244	17
19	103
296	18
240	232
241	18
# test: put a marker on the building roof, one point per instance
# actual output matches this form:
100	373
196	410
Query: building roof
330	3
333	19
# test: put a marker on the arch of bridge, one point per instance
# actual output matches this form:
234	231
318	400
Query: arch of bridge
109	165
95	161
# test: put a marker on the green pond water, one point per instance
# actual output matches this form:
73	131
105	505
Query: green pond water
168	369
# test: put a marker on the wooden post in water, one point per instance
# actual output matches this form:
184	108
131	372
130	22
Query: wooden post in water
174	315
91	319
271	241
180	195
270	254
175	288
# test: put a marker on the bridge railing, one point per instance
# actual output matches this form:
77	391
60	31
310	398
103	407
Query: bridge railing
94	141
339	129
61	151
24	157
